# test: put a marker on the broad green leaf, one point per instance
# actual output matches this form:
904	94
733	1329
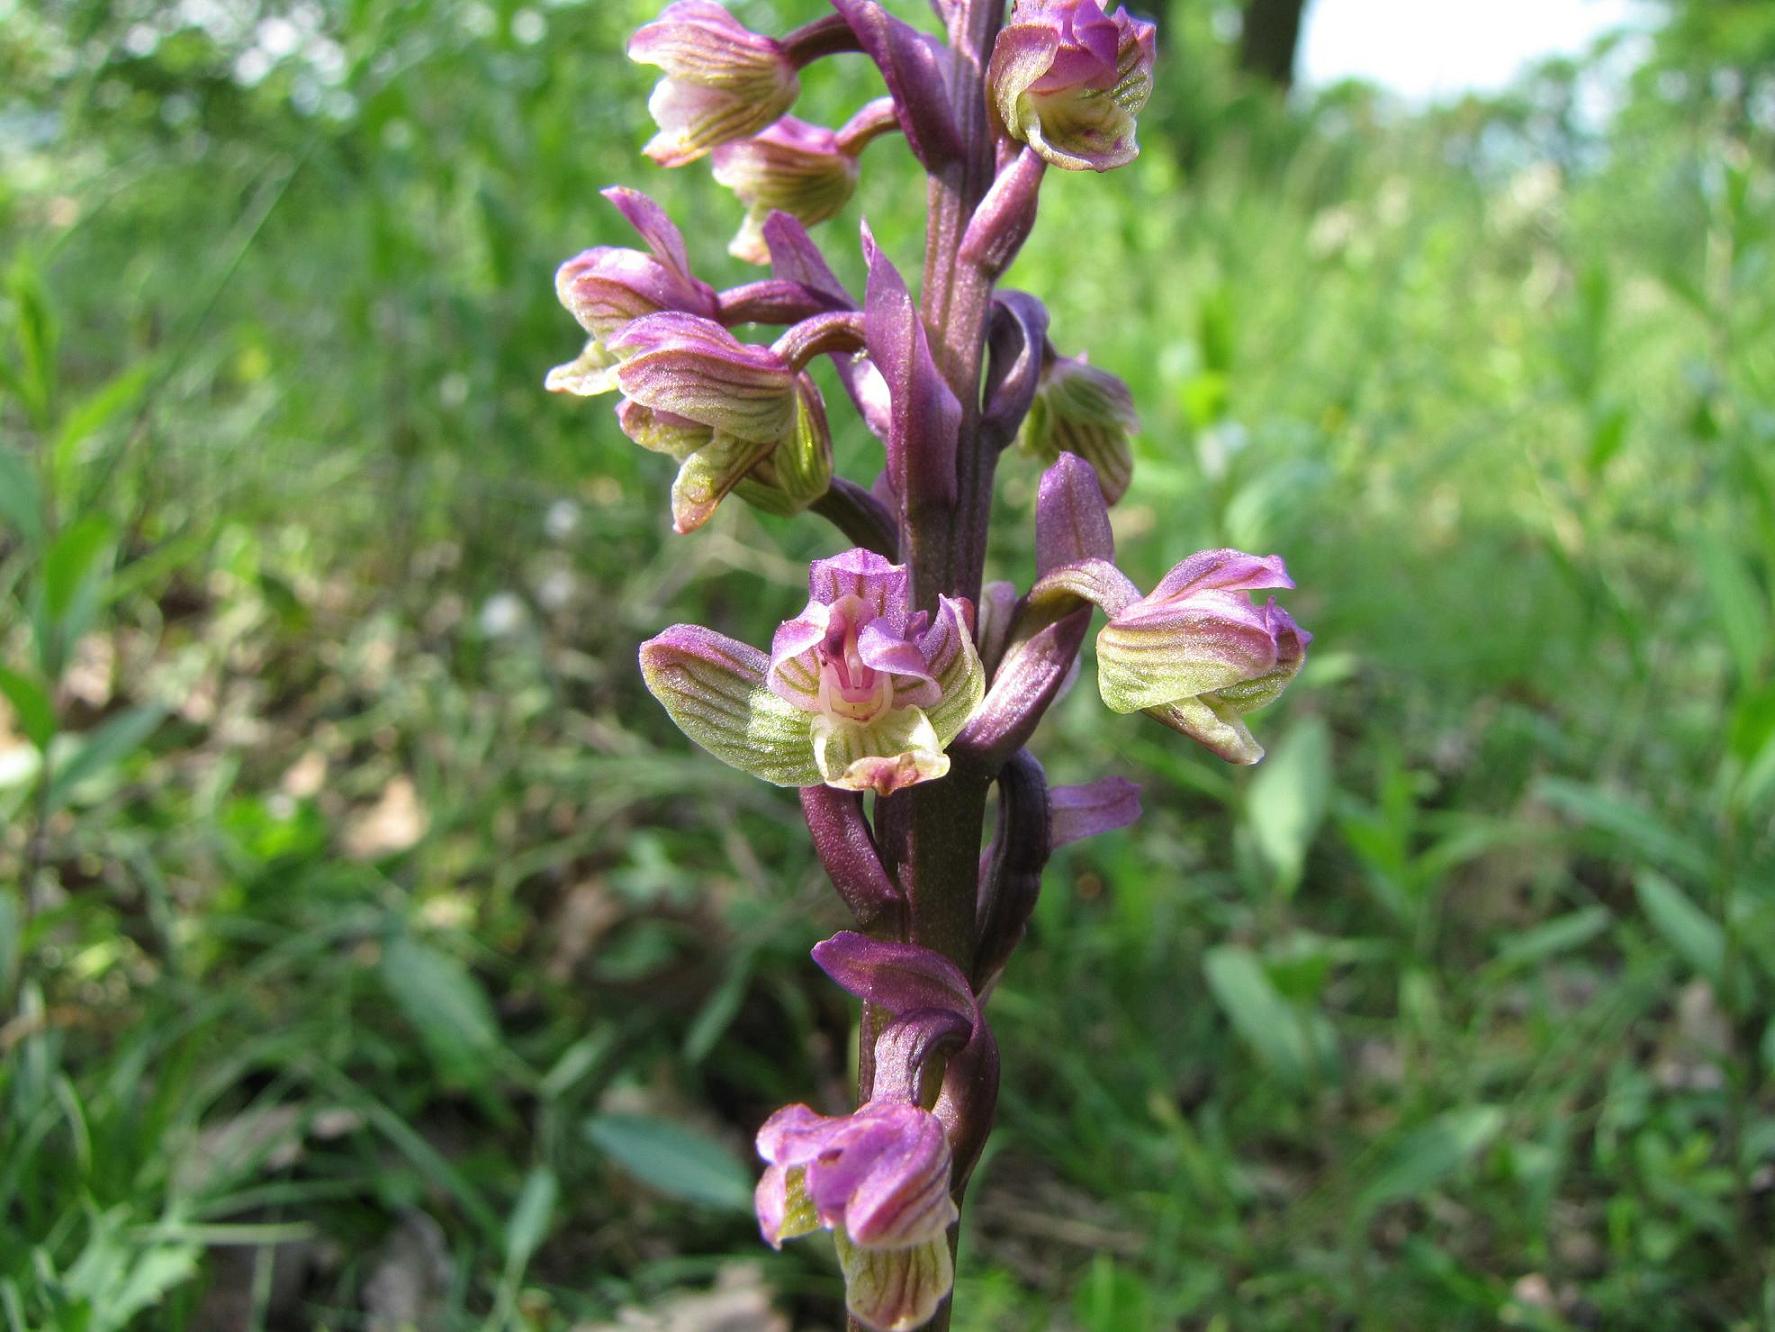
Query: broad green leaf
674	1160
1266	1021
444	1003
1691	933
32	705
102	748
70	559
1427	1156
531	1217
21	497
1287	798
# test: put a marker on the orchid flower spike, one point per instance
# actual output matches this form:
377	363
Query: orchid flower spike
722	82
857	691
1069	81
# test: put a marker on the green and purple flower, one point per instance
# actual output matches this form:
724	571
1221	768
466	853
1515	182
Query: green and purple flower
1069	80
722	81
857	691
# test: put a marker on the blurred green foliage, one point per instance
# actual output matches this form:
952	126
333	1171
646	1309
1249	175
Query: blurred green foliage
391	957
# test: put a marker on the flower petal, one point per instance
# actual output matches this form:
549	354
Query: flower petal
590	373
896	750
1213	724
955	665
713	688
784	1209
862	573
705	478
1222	570
1165	653
895	1290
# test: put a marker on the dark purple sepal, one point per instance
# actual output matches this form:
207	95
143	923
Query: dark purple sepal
915	71
847	851
1035	668
1016	338
1101	806
795	258
894	976
1013	874
924	415
1005	216
1071	517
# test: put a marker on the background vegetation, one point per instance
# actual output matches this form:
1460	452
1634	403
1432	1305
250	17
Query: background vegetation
385	958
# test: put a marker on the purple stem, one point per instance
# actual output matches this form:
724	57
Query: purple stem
823	37
931	833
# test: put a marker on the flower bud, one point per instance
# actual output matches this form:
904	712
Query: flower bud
722	82
1083	410
1069	80
792	167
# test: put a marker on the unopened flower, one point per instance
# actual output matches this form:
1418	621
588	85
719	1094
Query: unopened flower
1197	654
722	408
1069	80
792	167
1081	409
858	692
607	286
722	81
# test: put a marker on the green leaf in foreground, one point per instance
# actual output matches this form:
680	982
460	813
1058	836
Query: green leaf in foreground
102	748
677	1161
1690	932
445	1003
1425	1157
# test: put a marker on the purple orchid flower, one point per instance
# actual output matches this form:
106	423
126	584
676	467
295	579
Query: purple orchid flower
722	81
607	286
1069	81
858	692
792	167
723	409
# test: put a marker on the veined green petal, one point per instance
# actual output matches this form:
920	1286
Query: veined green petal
895	1290
959	675
1212	723
708	474
590	373
713	688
